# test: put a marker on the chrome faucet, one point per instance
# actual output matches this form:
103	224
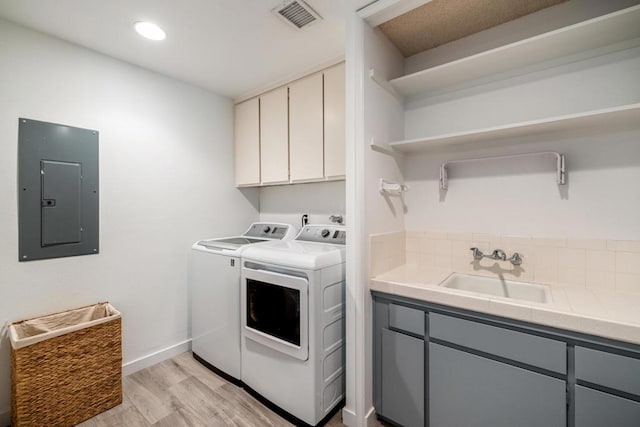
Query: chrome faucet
498	255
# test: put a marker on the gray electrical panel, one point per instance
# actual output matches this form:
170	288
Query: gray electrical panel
58	190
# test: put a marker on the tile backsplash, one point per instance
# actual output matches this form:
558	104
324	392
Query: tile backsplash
387	251
586	263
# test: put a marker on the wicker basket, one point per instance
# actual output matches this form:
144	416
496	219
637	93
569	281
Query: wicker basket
66	367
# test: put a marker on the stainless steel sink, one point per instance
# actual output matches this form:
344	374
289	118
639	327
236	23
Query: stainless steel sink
531	292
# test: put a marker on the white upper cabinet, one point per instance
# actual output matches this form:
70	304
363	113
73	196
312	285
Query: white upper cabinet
247	142
295	133
334	121
274	136
306	147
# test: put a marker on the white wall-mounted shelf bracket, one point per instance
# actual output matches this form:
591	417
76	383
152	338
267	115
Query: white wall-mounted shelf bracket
561	172
392	188
384	84
383	148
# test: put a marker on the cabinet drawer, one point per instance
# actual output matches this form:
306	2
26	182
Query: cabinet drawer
406	319
520	347
608	369
596	409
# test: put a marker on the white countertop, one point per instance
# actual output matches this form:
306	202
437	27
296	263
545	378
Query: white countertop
604	313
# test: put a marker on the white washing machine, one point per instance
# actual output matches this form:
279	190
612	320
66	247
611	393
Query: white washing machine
292	322
214	285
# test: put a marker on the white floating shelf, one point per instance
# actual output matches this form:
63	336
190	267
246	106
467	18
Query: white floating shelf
591	34
616	116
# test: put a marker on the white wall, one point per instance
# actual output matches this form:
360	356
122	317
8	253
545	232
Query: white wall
382	123
602	82
520	196
602	198
287	203
372	114
383	115
166	180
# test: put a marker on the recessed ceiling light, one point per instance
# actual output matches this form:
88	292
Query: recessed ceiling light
150	30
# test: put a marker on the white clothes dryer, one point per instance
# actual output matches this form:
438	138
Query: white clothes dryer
292	322
214	286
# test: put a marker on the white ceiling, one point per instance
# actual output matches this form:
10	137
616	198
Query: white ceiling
231	47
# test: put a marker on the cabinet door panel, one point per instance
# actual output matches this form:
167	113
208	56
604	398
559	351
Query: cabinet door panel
247	142
608	369
597	409
469	390
402	378
406	319
334	119
274	136
519	346
306	129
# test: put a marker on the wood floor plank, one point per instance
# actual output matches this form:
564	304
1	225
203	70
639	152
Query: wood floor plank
152	406
335	421
166	373
91	422
129	417
181	392
248	408
157	380
196	369
195	396
183	417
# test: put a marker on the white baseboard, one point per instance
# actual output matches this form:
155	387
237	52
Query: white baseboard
5	417
155	357
349	418
371	418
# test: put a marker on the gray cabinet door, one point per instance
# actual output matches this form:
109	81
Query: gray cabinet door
472	391
402	379
597	409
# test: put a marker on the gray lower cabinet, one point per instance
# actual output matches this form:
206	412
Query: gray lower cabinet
596	409
443	367
473	391
403	376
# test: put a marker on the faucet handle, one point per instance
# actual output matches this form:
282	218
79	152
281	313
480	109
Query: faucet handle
516	258
477	253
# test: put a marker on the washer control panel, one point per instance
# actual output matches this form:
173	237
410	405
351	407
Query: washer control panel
333	234
268	230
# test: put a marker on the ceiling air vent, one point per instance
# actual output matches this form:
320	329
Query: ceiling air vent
296	13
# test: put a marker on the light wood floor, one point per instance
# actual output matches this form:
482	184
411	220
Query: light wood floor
181	392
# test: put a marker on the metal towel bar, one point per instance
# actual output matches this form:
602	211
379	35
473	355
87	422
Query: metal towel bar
561	173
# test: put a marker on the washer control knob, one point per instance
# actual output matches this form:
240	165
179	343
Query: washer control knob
325	233
266	229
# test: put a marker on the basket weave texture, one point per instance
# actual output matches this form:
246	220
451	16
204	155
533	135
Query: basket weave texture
69	378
